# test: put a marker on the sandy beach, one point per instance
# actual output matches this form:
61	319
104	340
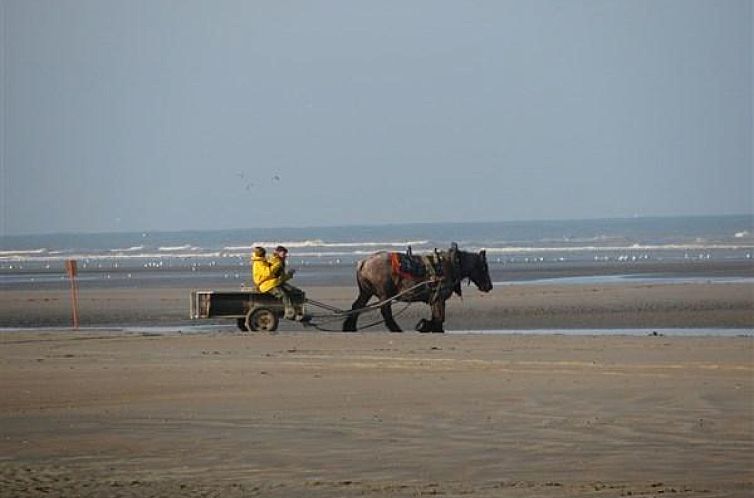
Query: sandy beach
101	413
142	402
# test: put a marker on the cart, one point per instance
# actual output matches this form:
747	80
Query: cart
260	311
252	310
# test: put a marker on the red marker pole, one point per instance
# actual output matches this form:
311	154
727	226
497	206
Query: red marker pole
72	271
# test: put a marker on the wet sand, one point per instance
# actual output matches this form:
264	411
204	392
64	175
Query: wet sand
509	307
101	413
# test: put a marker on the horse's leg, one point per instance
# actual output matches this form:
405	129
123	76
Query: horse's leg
434	324
349	325
387	315
438	316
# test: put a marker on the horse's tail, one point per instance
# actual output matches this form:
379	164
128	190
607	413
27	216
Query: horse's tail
349	325
360	281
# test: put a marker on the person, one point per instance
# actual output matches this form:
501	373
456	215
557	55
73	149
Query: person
260	267
277	283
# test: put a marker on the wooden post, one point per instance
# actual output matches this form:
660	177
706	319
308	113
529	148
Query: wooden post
72	271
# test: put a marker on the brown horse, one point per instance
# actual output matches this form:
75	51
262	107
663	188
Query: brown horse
386	275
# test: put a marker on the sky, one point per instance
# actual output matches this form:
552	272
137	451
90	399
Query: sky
173	115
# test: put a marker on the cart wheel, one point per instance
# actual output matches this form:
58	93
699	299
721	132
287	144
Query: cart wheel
241	323
261	319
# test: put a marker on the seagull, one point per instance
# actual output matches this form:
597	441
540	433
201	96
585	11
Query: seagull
276	178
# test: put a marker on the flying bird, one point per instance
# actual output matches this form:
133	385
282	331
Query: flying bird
246	184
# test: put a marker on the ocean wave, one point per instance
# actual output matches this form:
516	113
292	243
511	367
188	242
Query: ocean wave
116	256
27	252
321	243
348	250
582	240
129	249
186	247
633	247
163	255
311	254
335	254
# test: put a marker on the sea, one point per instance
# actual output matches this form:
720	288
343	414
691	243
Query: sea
712	248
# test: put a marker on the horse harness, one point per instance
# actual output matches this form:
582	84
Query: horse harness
442	270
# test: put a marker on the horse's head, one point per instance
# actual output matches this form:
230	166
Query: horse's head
474	267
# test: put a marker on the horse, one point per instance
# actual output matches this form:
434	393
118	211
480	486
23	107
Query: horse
430	279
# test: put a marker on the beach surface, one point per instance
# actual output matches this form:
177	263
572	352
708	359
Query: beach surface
517	306
103	413
142	401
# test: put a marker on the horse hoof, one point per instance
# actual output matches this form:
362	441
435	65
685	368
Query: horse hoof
423	326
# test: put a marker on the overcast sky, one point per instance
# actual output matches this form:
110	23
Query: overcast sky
165	115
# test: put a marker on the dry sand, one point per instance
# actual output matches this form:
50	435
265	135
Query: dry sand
374	414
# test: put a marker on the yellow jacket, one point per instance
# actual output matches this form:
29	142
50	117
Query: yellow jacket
277	273
260	273
268	274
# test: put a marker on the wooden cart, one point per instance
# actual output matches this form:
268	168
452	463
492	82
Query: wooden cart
252	310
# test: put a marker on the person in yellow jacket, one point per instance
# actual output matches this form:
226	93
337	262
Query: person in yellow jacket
260	269
270	276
